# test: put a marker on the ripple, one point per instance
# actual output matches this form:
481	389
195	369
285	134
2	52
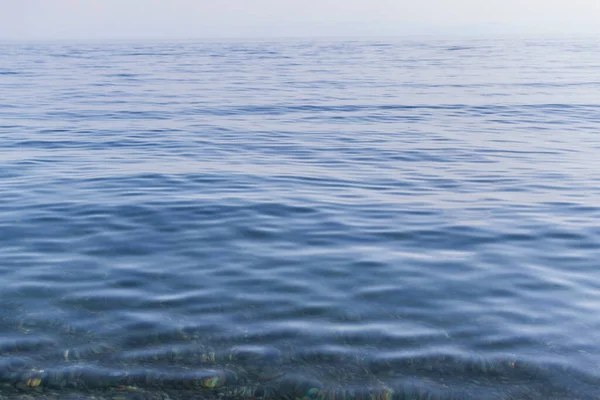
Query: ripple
263	219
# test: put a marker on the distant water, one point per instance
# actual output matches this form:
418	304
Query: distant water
300	219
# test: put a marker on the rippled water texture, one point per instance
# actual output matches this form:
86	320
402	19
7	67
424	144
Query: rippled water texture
318	220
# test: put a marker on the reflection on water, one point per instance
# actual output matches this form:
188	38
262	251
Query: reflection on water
300	220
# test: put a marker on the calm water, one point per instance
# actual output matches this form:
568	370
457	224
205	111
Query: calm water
317	219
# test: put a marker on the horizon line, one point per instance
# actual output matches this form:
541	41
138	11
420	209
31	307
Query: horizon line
408	36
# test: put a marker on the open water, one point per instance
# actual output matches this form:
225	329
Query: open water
384	219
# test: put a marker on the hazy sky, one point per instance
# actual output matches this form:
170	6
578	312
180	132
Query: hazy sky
100	19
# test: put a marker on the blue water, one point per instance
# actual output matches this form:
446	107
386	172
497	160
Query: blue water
353	217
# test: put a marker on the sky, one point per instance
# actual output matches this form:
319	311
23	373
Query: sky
190	19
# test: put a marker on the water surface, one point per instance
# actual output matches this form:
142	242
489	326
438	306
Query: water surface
287	219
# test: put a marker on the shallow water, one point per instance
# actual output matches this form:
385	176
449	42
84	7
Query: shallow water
415	216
